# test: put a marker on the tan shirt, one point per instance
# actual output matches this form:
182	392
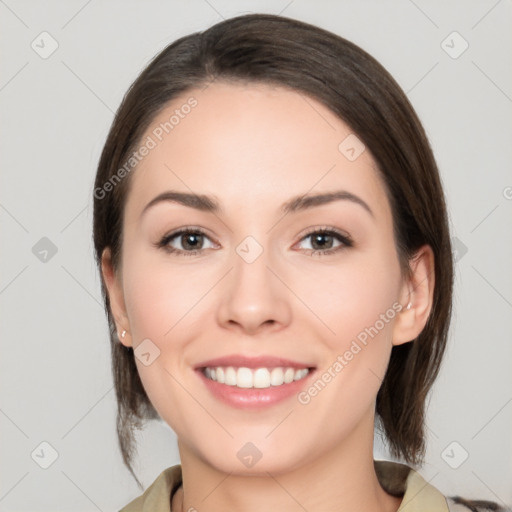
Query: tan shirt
395	478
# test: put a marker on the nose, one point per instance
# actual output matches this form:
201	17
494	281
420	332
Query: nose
253	296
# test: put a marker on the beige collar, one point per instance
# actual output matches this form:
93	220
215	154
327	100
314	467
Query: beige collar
395	478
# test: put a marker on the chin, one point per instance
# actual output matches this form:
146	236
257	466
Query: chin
251	459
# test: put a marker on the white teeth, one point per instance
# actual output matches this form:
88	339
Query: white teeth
244	378
230	376
289	374
258	378
261	378
300	374
276	377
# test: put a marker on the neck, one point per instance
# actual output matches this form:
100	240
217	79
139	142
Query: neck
344	478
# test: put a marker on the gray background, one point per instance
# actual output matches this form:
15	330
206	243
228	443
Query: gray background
55	368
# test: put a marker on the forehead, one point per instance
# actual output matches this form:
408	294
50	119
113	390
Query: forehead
251	145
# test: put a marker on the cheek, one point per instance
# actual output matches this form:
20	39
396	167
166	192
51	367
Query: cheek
149	305
158	295
160	301
163	303
360	309
353	296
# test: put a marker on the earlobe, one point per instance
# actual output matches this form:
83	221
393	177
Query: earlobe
116	298
417	293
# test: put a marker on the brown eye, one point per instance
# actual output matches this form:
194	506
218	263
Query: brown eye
323	241
190	240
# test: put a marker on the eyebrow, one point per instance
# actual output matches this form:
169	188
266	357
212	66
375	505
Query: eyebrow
302	202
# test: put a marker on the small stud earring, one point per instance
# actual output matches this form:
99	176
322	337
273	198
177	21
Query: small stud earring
408	306
123	334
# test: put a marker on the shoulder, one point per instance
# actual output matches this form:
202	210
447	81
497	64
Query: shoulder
157	497
419	495
396	478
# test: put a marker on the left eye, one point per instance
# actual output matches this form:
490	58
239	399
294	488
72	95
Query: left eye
324	239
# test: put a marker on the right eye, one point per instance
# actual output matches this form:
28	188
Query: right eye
189	238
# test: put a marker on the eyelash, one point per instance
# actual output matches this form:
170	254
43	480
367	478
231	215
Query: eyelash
345	239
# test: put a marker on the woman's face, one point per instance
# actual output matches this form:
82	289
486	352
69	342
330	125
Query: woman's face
253	283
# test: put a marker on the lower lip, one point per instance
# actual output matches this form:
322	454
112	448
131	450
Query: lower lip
253	398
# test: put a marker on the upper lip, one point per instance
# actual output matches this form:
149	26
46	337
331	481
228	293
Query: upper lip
240	361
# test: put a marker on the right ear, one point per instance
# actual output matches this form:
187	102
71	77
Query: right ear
116	298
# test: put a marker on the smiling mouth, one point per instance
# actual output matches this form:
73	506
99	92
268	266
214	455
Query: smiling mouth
259	378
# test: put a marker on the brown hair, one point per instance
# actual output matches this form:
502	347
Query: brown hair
290	53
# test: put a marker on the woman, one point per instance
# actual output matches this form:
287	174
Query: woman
272	236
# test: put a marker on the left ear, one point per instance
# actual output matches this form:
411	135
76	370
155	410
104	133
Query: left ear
418	291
